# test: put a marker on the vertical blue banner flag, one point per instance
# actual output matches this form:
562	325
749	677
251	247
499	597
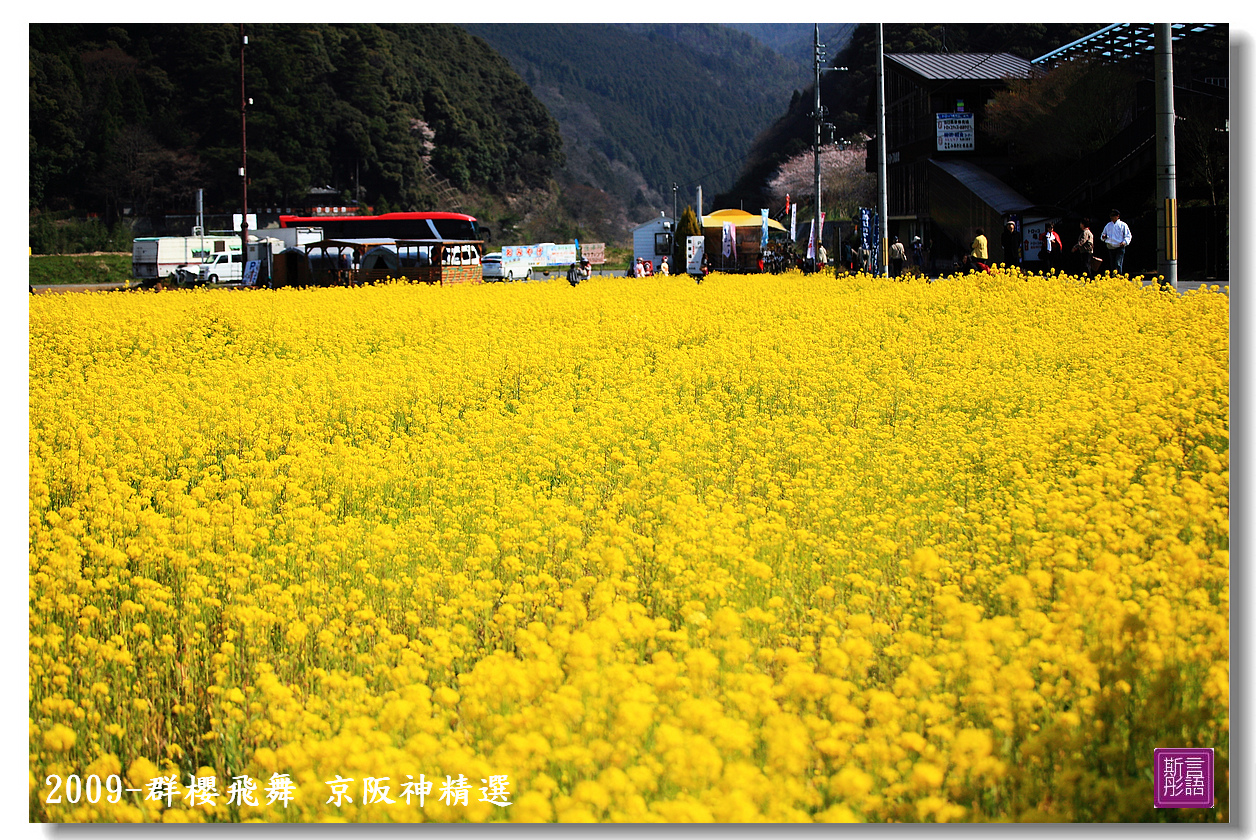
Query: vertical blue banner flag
876	242
763	238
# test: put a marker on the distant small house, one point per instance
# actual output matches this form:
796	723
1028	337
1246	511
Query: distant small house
652	241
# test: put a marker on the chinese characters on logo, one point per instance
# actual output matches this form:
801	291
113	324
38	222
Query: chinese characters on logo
1183	778
203	790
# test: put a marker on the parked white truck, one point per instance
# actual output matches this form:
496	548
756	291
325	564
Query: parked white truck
213	258
154	257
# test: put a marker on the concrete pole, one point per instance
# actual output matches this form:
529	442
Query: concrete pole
883	202
819	119
1166	158
244	164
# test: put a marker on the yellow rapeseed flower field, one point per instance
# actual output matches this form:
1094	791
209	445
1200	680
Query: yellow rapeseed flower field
777	548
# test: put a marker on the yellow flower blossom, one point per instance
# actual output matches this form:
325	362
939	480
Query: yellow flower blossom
768	548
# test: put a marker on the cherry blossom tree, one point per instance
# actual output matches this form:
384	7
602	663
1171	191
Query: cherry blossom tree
846	184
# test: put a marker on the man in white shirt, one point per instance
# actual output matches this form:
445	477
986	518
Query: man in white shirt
1116	235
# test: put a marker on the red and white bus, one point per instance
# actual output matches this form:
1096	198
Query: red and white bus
413	226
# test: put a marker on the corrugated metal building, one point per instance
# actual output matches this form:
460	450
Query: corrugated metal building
944	190
942	173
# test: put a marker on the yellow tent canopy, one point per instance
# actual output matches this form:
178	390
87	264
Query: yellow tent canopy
739	218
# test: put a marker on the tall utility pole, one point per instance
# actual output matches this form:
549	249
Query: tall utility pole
1166	165
244	162
883	203
819	116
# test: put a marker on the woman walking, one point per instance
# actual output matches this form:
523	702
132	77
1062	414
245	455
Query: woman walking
1085	247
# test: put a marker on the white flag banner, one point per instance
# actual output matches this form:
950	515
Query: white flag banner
811	241
730	239
694	247
793	223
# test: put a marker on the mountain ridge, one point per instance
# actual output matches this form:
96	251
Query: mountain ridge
689	113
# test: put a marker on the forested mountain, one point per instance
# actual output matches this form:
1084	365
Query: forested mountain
644	105
847	95
138	116
796	41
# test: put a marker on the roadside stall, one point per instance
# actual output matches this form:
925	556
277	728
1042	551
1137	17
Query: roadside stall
343	262
733	239
441	261
351	262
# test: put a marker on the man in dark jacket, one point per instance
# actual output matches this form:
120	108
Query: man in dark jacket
1011	239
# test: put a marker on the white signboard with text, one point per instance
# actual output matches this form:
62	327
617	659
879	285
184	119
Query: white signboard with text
956	132
548	253
694	248
552	254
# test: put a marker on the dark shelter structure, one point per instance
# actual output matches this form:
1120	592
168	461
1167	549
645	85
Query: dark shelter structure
353	262
943	173
948	175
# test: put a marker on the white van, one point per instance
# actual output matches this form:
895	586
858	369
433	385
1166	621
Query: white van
497	266
222	268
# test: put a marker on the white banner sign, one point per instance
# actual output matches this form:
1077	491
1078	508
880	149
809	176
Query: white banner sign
594	252
558	254
695	246
531	253
547	253
956	132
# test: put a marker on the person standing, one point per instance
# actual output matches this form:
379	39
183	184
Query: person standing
1117	236
1085	247
824	258
663	269
1011	241
980	251
898	256
1052	248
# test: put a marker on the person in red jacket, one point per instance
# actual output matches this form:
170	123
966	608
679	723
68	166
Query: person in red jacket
1052	251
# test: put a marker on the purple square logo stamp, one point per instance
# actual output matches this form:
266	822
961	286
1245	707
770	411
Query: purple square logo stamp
1183	777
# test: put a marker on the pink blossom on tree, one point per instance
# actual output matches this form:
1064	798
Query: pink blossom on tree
846	185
